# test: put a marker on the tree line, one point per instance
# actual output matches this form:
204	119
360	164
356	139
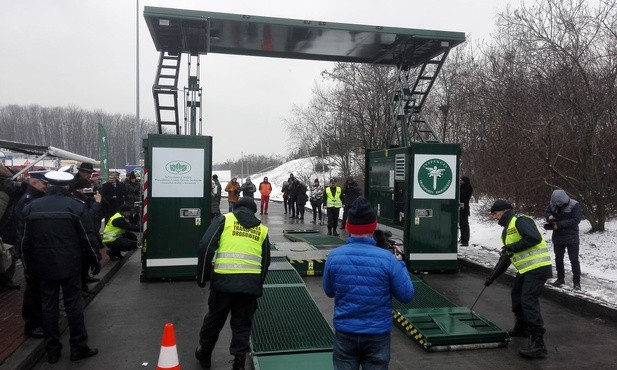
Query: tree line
74	129
534	109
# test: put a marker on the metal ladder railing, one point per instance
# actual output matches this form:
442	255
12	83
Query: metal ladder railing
165	91
407	103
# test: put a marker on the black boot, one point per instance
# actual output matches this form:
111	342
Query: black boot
329	231
535	348
520	329
204	357
239	361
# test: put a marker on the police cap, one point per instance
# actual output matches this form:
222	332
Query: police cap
58	178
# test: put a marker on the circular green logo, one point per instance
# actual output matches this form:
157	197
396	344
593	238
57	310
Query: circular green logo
178	167
435	176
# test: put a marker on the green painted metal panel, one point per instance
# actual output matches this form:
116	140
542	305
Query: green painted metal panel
296	361
432	320
178	170
315	239
202	32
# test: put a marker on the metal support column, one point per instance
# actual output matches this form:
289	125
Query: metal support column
192	97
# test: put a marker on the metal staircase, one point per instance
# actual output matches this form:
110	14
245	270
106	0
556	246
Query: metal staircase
165	91
412	88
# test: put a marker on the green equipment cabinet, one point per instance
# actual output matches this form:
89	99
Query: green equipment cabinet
176	212
415	193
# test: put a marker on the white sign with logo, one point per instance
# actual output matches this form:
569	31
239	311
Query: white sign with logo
434	176
177	173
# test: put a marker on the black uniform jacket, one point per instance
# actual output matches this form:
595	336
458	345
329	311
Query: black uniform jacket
56	235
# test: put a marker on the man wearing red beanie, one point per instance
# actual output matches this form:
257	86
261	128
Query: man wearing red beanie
363	278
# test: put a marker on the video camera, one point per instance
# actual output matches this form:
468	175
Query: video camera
383	240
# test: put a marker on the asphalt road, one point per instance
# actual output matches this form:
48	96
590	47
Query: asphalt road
125	322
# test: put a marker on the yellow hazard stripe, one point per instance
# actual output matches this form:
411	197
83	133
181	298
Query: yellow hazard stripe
408	328
306	261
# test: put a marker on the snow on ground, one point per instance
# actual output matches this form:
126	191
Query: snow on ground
597	255
598	251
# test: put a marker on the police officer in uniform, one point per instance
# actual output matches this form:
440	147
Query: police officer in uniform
332	195
525	248
31	307
240	266
56	235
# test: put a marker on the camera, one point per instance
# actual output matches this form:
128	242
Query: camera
549	226
382	239
87	191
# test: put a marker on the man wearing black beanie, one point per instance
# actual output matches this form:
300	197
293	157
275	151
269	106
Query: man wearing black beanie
525	248
363	278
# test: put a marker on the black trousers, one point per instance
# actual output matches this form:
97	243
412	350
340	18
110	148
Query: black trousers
31	309
123	244
463	223
316	206
74	306
285	201
300	210
560	251
526	297
345	212
332	213
242	308
292	206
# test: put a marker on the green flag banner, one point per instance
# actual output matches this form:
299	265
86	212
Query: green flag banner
103	152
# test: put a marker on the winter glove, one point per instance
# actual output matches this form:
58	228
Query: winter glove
509	249
549	226
96	268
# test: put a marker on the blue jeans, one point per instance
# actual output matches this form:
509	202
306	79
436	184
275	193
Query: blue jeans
371	351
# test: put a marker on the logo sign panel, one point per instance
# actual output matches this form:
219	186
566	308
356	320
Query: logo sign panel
434	176
177	173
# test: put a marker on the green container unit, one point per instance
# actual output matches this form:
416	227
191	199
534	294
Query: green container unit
414	191
176	204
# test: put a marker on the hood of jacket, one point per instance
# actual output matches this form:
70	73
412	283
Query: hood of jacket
559	198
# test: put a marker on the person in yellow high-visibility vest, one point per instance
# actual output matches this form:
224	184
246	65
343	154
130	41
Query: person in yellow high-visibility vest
333	203
525	248
238	271
118	234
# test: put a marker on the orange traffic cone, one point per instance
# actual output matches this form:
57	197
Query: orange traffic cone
168	357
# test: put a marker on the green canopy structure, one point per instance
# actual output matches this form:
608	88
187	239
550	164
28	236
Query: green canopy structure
176	32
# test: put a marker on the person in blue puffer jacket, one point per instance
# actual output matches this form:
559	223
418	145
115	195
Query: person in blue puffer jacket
363	278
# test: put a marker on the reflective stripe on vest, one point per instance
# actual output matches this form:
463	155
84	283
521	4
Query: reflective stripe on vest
111	232
239	249
531	258
333	200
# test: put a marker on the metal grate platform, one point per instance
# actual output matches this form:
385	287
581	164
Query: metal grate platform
424	297
279	277
313	238
288	320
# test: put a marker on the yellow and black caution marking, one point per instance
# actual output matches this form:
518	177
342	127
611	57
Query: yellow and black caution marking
409	329
308	267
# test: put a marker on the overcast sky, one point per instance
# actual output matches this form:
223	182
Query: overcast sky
82	53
